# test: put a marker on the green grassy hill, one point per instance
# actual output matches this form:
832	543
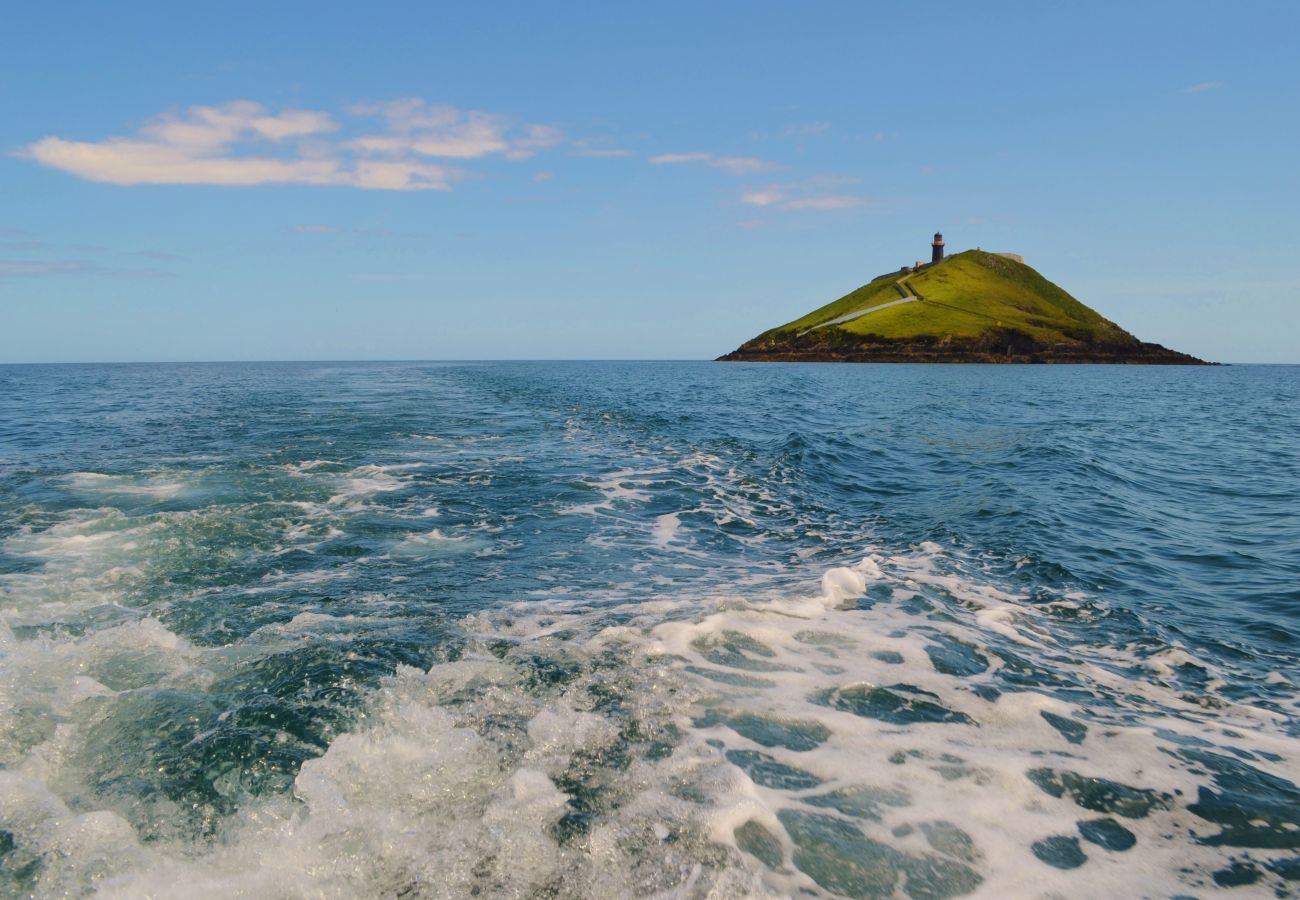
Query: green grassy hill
971	307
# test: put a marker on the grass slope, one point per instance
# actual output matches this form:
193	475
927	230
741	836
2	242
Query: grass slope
966	296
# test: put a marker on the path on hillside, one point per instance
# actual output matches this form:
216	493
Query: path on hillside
901	285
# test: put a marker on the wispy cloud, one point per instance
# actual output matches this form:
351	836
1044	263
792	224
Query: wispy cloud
439	130
602	153
315	228
16	268
826	201
597	148
242	143
1202	87
808	194
732	165
768	197
26	268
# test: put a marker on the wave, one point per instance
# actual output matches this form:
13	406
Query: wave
696	632
909	728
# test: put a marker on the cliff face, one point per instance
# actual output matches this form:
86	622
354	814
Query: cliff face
972	307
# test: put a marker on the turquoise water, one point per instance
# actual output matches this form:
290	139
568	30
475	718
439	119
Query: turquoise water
649	629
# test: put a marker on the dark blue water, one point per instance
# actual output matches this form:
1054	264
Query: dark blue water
624	629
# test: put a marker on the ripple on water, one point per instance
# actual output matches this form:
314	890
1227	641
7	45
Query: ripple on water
903	648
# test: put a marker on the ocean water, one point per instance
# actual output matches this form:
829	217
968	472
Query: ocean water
649	630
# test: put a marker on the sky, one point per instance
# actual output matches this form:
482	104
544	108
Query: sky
293	180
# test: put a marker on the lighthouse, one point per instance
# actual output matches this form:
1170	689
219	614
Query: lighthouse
936	248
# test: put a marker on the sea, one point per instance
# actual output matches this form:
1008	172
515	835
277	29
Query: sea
649	629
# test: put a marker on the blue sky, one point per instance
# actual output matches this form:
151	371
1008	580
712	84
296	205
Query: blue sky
358	181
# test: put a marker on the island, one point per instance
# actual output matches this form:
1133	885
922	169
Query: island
971	307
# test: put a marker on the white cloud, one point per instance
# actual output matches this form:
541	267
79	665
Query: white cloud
670	159
214	127
470	137
402	175
796	195
741	165
732	165
534	138
612	153
241	143
125	161
407	144
768	197
438	130
826	201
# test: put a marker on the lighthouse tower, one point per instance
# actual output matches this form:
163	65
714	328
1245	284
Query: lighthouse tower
936	248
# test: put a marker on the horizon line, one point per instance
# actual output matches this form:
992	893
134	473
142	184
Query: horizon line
576	359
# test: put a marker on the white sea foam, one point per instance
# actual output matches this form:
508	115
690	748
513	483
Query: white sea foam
51	689
784	723
666	528
618	489
91	558
307	535
97	483
300	469
363	482
437	543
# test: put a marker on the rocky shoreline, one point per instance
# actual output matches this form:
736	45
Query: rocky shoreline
1000	347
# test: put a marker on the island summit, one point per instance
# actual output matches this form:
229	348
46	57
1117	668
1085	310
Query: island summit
969	307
